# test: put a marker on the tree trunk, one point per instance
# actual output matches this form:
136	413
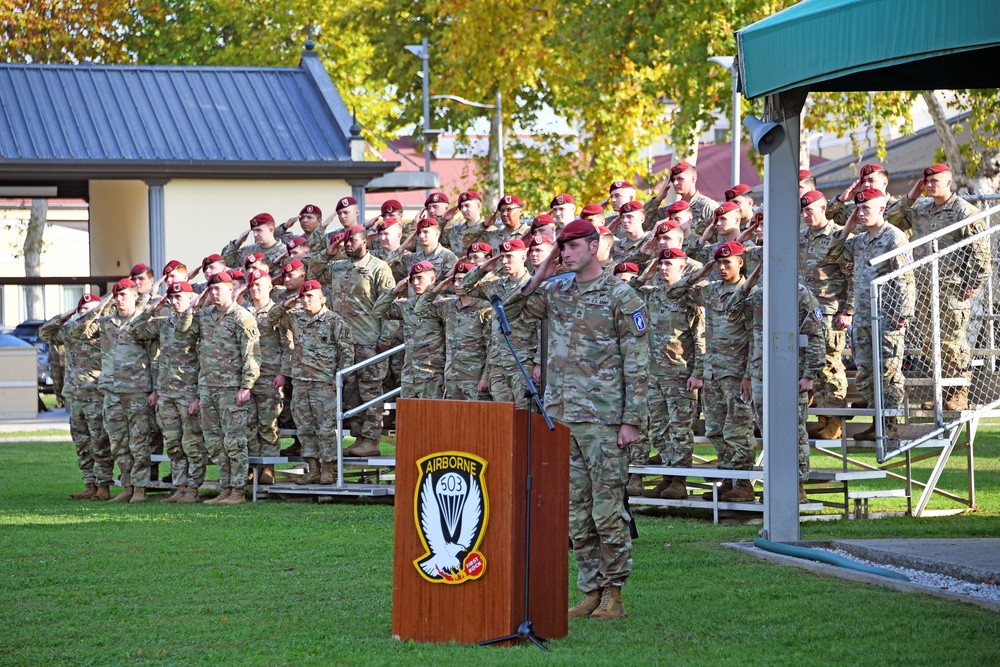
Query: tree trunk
984	178
32	252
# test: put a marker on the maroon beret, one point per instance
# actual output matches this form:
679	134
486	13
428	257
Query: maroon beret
728	248
604	231
123	284
479	247
938	168
295	242
464	267
237	274
671	253
345	202
758	218
678	206
618	185
421	267
385	224
87	298
138	270
737	190
436	198
255	275
810	197
293	265
540	239
626	267
727	207
511	245
467	195
172	265
679	168
254	257
592	209
211	259
427	222
804	174
578	229
221	277
309	286
355	229
179	287
542	220
261	219
391	205
869	169
509	200
311	209
562	199
866	194
630	206
666	226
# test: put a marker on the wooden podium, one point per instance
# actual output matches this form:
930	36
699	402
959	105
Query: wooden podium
488	600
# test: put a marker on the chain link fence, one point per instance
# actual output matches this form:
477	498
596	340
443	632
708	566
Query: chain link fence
935	329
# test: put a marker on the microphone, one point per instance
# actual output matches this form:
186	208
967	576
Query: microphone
497	303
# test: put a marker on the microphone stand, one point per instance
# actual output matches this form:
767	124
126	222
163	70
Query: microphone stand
526	630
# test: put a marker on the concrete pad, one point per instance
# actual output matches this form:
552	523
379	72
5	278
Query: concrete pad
971	559
56	419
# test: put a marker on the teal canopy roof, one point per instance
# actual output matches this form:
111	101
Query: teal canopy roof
830	45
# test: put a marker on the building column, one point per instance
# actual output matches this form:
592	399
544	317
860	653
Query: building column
358	192
157	225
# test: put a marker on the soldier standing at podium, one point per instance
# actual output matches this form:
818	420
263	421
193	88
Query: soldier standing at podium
598	358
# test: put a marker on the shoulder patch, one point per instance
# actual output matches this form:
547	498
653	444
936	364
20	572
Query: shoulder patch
818	314
640	321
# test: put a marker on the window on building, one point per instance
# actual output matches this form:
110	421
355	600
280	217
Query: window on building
721	134
71	296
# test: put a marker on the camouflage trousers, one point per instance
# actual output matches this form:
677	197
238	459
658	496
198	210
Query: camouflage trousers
830	384
58	373
891	347
464	390
182	439
226	427
362	386
758	406
425	385
93	449
266	404
954	315
672	414
598	522
128	421
314	405
507	385
729	423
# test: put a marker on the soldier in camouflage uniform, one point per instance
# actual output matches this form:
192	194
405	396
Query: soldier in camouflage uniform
677	352
631	217
310	219
422	375
619	194
321	345
176	384
741	195
562	208
86	401
505	382
833	286
267	398
509	210
684	179
599	360
57	371
262	228
467	326
726	228
228	370
960	277
878	238
428	233
748	301
727	388
872	176
470	204
126	380
356	284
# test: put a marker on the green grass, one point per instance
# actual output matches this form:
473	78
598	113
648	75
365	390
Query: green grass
306	584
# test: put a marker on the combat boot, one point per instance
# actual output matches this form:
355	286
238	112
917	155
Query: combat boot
677	489
293	449
312	474
803	498
724	488
189	496
103	493
655	460
219	498
820	424
235	497
267	475
634	485
741	493
655	491
958	400
587	605
831	431
123	497
86	494
327	472
363	448
173	497
611	606
138	495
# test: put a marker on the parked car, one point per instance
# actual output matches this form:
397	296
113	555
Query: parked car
28	332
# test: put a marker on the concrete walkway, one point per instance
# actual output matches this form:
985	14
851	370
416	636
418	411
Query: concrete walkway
56	419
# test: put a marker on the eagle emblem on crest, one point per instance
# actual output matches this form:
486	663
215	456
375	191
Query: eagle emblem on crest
451	509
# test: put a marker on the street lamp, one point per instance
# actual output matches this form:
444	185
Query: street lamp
499	139
422	51
729	62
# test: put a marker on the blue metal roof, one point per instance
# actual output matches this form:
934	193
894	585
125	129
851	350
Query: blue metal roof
173	116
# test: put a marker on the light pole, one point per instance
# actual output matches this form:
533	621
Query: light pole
422	51
729	62
498	108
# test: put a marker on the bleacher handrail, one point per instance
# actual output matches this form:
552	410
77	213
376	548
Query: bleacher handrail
923	240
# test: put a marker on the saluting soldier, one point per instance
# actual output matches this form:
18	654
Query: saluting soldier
619	194
631	218
509	210
310	218
265	243
428	238
743	196
684	179
872	176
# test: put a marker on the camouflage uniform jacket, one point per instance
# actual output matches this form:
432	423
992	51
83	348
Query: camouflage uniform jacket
425	341
467	332
321	344
355	285
126	364
179	364
625	247
704	252
505	233
703	210
832	284
83	359
898	295
453	237
524	336
840	212
401	260
476	233
229	341
276	255
676	334
727	342
598	356
274	344
971	266
749	302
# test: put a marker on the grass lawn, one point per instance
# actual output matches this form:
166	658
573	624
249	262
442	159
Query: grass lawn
306	584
